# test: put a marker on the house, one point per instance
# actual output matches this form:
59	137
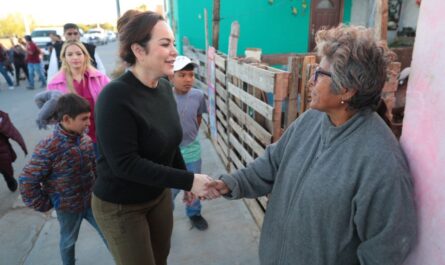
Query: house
276	26
282	26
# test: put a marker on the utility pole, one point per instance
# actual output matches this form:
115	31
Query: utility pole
118	9
215	24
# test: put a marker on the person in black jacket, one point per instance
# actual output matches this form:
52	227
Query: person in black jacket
138	135
19	59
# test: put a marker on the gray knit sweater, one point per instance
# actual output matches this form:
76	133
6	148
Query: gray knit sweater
338	195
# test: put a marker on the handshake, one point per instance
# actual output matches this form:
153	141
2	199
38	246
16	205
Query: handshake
206	188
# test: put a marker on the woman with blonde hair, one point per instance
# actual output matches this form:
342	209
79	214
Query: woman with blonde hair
77	75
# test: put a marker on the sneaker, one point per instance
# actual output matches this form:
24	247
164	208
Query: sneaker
12	184
30	87
11	87
43	86
199	222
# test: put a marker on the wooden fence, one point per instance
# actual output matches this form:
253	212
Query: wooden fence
255	103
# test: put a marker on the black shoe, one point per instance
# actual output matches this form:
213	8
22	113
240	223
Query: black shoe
199	222
12	184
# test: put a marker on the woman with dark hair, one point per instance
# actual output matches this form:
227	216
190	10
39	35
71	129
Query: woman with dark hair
340	188
138	134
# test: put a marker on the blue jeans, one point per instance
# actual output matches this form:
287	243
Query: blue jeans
5	74
195	207
36	67
69	231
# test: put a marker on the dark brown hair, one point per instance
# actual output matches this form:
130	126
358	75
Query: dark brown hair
72	105
123	20
138	30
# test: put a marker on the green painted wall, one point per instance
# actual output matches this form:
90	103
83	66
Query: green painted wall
347	11
271	27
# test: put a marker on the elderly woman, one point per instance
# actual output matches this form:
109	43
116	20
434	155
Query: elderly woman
340	188
78	76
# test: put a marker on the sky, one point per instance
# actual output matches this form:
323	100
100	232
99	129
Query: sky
59	12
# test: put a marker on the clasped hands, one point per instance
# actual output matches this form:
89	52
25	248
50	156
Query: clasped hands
206	188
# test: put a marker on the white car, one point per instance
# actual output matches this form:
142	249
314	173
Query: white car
111	36
40	36
96	36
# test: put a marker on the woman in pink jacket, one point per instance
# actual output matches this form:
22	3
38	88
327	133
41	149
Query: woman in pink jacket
77	75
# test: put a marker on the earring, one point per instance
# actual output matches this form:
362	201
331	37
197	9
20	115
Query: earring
342	102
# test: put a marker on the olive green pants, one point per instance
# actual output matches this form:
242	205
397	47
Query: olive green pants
137	234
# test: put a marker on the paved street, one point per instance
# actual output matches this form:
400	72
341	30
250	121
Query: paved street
31	238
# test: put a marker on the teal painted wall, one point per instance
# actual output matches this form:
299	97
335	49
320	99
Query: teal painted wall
271	27
189	15
347	11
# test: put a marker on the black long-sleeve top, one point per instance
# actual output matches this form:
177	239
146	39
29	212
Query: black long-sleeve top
138	134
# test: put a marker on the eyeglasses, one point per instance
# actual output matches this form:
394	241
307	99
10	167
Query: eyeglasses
319	71
72	33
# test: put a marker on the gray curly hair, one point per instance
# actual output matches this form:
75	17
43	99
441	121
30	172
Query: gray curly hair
358	62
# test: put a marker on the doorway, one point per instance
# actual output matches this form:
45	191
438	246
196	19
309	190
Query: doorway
324	14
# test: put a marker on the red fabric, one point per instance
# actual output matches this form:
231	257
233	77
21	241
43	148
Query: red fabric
7	130
83	91
33	53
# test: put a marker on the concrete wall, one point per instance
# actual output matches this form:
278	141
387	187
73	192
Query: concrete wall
423	133
361	11
273	28
409	14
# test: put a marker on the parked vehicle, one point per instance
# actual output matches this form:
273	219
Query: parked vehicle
96	36
111	36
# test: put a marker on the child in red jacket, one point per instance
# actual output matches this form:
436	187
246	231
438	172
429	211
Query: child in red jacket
7	154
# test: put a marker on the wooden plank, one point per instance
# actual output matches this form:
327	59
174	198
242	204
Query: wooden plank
281	86
215	23
257	130
199	84
255	210
220	61
273	59
221	105
222	155
221	118
258	149
220	75
233	40
258	105
222	133
305	76
260	78
221	91
223	145
241	150
263	201
202	72
236	161
390	88
292	107
202	56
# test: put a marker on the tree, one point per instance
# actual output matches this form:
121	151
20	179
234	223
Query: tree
13	25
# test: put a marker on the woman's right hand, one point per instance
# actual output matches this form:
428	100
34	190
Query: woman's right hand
203	187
